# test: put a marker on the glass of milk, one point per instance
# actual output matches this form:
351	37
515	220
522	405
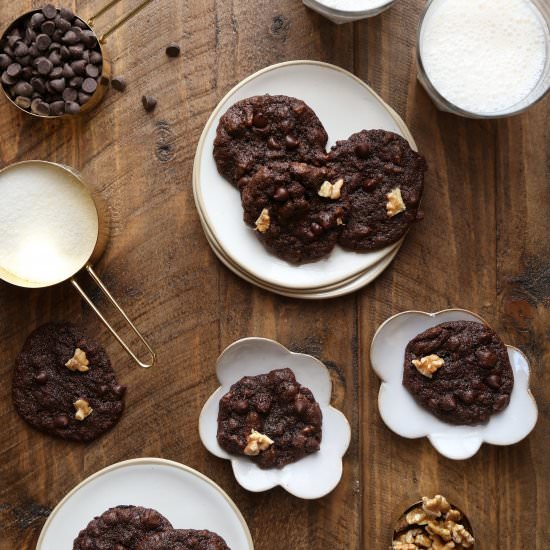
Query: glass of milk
485	58
347	11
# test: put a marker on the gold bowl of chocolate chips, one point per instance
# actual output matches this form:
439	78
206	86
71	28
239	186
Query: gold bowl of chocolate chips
52	64
433	524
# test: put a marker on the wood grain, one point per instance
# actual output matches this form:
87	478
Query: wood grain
484	246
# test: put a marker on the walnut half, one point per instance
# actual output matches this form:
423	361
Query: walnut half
331	190
427	366
83	409
395	204
263	222
257	442
78	361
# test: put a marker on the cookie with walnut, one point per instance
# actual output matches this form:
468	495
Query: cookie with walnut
294	218
270	418
120	528
383	184
183	539
64	385
459	371
263	129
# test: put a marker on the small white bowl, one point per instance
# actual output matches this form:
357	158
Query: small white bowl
405	417
365	8
317	474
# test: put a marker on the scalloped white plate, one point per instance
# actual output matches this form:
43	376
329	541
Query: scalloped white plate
349	286
317	474
405	417
186	497
218	202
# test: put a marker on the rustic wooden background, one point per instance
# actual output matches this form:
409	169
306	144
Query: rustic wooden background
485	245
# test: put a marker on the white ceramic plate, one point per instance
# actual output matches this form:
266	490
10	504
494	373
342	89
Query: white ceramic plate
351	285
311	477
321	86
404	416
186	497
363	9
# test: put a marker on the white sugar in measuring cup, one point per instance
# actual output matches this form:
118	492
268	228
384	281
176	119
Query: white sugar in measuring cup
53	225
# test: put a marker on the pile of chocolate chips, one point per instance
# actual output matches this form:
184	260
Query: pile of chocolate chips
50	62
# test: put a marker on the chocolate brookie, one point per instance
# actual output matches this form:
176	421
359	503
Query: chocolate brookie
263	129
270	418
383	183
64	385
459	371
282	201
183	539
120	528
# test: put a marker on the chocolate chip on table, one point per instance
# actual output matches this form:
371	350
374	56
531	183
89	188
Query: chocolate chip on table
173	50
119	83
149	103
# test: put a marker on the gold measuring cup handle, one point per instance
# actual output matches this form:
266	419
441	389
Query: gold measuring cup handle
109	296
119	23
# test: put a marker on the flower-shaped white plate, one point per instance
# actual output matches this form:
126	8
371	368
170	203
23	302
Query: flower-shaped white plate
311	477
186	497
219	202
405	417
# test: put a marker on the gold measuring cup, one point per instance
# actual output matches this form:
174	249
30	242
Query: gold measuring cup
104	78
54	225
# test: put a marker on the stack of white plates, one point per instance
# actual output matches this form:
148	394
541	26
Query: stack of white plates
345	105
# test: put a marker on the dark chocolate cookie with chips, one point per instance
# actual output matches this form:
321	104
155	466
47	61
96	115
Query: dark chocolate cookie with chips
263	129
383	184
183	539
270	418
294	218
64	385
459	371
120	528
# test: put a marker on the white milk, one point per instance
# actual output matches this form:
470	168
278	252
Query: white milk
48	223
484	56
353	5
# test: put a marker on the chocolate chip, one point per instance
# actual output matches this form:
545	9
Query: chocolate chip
92	70
447	403
76	81
70	94
56	72
119	390
119	83
316	229
5	61
64	53
23	89
49	11
42	377
500	402
486	358
88	38
79	67
67	14
21	49
39	107
61	421
70	37
467	396
89	85
273	144
23	102
259	121
281	194
76	51
291	142
173	50
71	107
58	85
48	28
37	19
43	41
362	150
44	65
95	58
83	98
55	58
13	70
57	108
7	79
149	103
493	381
79	24
67	71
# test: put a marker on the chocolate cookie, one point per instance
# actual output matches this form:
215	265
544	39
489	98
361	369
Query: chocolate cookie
270	418
64	385
282	202
262	129
120	528
183	539
384	179
459	371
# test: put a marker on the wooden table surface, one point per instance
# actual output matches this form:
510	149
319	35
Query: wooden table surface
484	245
